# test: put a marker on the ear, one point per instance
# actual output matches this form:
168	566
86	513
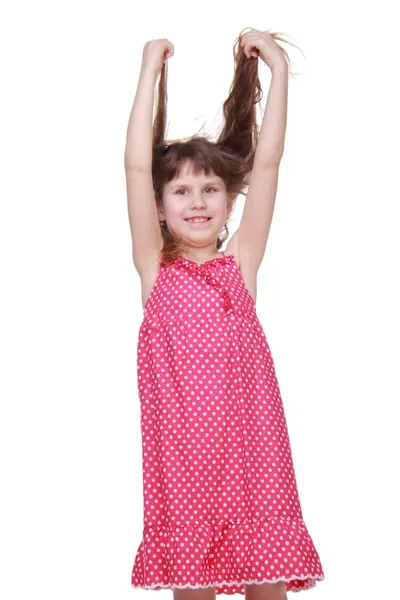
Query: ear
160	211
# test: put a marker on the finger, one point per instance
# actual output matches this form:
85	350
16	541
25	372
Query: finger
251	35
250	50
246	38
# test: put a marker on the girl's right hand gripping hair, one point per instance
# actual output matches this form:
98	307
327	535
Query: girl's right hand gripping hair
155	53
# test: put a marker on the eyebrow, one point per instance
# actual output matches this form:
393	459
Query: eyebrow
208	182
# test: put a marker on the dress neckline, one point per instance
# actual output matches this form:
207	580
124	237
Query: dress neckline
223	258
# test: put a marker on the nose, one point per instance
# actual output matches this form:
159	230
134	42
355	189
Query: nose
198	200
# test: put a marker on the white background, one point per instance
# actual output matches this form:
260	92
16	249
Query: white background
328	297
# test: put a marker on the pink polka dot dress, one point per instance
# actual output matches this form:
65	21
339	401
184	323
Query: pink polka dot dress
220	500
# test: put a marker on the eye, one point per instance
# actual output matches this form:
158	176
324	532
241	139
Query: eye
183	190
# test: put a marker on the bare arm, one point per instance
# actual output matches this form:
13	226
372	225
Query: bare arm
142	210
260	199
271	141
138	149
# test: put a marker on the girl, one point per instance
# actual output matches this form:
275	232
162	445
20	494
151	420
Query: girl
221	508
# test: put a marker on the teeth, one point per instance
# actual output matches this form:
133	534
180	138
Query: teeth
198	220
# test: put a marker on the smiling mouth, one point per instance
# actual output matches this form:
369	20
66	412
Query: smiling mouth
202	219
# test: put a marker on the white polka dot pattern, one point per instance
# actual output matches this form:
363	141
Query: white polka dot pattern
221	506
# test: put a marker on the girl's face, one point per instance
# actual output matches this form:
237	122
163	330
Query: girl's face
191	196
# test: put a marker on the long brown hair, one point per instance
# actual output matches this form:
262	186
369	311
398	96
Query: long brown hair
230	157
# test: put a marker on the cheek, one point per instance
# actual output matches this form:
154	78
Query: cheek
173	207
220	208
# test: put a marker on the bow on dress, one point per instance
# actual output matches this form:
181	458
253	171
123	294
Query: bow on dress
204	271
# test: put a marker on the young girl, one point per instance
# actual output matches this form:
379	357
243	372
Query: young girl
221	508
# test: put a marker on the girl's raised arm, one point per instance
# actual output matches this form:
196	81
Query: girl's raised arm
142	210
260	199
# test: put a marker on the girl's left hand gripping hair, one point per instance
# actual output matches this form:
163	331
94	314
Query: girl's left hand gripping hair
257	43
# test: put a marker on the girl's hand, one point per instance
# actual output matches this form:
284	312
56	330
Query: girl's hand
260	43
155	53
